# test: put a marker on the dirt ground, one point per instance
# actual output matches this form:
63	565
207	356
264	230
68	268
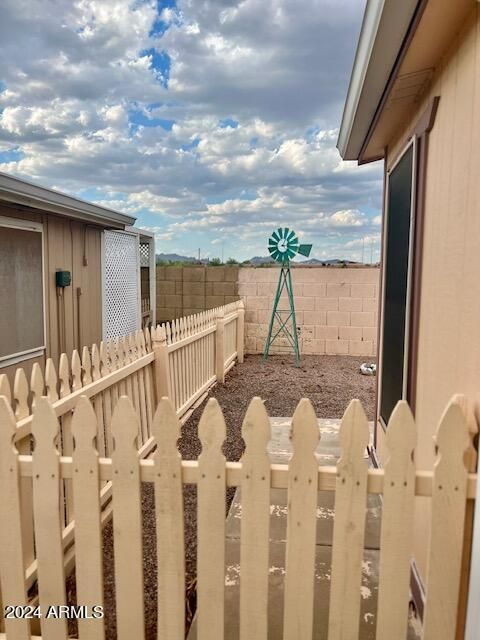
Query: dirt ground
329	381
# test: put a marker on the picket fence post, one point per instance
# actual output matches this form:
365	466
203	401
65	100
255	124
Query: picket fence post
161	364
240	330
220	344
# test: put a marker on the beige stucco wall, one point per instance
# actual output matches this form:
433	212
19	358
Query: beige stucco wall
449	331
336	308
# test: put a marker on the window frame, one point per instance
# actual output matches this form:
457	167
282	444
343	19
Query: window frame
34	352
412	142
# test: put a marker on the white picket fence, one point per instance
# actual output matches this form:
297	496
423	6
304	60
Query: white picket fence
448	487
173	360
193	353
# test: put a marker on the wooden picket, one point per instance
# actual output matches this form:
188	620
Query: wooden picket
127	522
448	486
301	525
12	571
20	395
88	527
447	522
211	524
397	526
169	521
47	521
66	434
349	526
255	523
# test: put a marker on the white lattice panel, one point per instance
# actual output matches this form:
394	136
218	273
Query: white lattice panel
144	254
121	299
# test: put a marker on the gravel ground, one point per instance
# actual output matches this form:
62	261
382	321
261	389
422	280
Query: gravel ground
329	381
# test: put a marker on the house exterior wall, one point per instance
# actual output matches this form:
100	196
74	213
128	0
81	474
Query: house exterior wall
448	358
335	308
76	318
82	305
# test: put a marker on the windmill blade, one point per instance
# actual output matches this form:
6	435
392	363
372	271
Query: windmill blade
304	249
290	245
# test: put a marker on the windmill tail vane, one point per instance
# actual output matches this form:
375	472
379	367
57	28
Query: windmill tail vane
283	246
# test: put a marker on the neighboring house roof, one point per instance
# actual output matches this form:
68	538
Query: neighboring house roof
400	46
25	193
385	25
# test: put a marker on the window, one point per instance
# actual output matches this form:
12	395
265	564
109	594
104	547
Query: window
396	278
22	329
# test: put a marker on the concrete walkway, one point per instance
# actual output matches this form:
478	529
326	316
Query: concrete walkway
328	453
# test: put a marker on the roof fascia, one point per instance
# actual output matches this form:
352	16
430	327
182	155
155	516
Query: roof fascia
25	193
384	27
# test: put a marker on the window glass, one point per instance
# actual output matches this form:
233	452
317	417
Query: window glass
21	291
397	256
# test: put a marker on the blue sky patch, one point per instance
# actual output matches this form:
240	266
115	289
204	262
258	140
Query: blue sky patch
228	122
160	26
160	63
96	194
193	144
11	155
138	118
311	132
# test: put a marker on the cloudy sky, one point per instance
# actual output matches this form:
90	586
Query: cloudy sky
212	121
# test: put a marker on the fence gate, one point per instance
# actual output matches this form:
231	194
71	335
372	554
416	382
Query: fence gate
121	283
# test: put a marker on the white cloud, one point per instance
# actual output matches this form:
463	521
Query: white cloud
348	218
242	139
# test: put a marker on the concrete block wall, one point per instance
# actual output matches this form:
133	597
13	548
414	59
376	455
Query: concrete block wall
336	309
182	291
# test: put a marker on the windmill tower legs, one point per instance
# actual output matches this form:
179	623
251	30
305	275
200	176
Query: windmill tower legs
287	324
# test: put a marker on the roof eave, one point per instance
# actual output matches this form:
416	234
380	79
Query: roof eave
25	193
384	27
368	32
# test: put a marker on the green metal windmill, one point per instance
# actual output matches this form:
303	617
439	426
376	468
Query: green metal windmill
283	246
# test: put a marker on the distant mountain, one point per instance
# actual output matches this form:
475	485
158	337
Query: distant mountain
335	261
175	257
255	261
259	260
312	261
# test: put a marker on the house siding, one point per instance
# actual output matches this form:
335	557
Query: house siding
65	242
448	358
